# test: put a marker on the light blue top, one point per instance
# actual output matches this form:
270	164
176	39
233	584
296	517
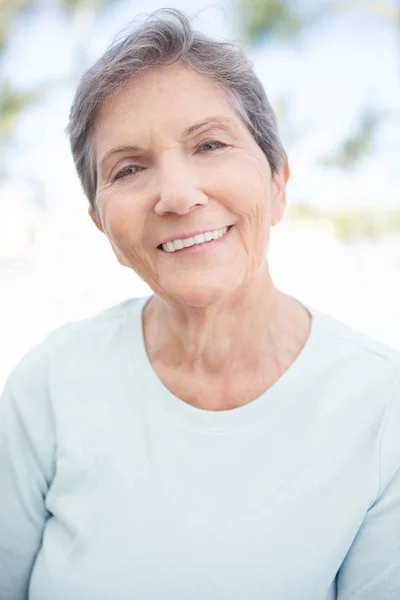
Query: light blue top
112	488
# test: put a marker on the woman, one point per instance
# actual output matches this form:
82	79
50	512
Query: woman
218	439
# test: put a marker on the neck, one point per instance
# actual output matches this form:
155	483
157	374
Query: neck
243	329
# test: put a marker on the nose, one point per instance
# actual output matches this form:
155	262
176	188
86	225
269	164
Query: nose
178	191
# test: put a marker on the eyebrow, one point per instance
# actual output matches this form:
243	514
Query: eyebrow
187	133
117	149
210	121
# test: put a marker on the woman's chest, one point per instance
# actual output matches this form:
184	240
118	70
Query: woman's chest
160	511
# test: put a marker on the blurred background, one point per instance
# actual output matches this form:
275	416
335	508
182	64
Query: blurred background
331	70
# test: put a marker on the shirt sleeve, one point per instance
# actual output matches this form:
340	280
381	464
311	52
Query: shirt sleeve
371	569
27	449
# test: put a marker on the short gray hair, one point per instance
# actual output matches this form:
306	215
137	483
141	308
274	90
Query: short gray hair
167	37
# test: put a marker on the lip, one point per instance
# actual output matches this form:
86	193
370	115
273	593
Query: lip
186	236
197	248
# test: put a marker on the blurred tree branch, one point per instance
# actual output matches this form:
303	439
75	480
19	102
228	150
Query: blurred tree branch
9	10
13	101
358	144
287	19
269	18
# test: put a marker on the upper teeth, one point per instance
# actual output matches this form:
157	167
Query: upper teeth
197	239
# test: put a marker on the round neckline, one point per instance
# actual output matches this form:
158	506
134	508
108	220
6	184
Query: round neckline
242	417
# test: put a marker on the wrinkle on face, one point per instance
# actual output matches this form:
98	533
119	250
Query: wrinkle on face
234	186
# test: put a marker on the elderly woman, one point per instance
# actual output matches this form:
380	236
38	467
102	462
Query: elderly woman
219	439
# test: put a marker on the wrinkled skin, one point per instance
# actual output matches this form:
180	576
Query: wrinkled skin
210	309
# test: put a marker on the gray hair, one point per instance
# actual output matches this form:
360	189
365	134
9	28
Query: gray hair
167	37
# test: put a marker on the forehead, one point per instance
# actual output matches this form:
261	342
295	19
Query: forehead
168	98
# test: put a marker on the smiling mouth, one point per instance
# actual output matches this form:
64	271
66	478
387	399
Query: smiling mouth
202	243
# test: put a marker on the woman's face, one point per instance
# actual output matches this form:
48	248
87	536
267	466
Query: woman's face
174	159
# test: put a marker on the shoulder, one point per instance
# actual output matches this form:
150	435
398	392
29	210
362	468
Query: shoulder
356	376
100	327
73	343
363	377
75	364
354	347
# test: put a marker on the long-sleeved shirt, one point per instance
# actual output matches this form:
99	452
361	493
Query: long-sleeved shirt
112	488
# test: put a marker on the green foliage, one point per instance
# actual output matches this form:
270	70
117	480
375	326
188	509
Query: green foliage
303	211
12	103
358	144
72	6
267	18
383	9
272	18
350	224
12	9
9	10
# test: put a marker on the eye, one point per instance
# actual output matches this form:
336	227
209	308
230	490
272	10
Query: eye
129	170
211	145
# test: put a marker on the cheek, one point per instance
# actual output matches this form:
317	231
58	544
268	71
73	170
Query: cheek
254	233
122	220
244	183
250	201
124	224
248	198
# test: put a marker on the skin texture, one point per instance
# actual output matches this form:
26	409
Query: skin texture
217	331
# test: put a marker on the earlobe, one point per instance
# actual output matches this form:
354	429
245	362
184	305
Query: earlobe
95	219
286	170
280	180
277	213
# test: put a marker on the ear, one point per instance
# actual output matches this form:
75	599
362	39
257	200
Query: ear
95	219
278	201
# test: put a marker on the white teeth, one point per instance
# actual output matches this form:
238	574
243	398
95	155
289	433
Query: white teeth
170	247
200	238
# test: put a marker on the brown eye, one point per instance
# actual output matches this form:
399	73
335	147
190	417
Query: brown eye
130	170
